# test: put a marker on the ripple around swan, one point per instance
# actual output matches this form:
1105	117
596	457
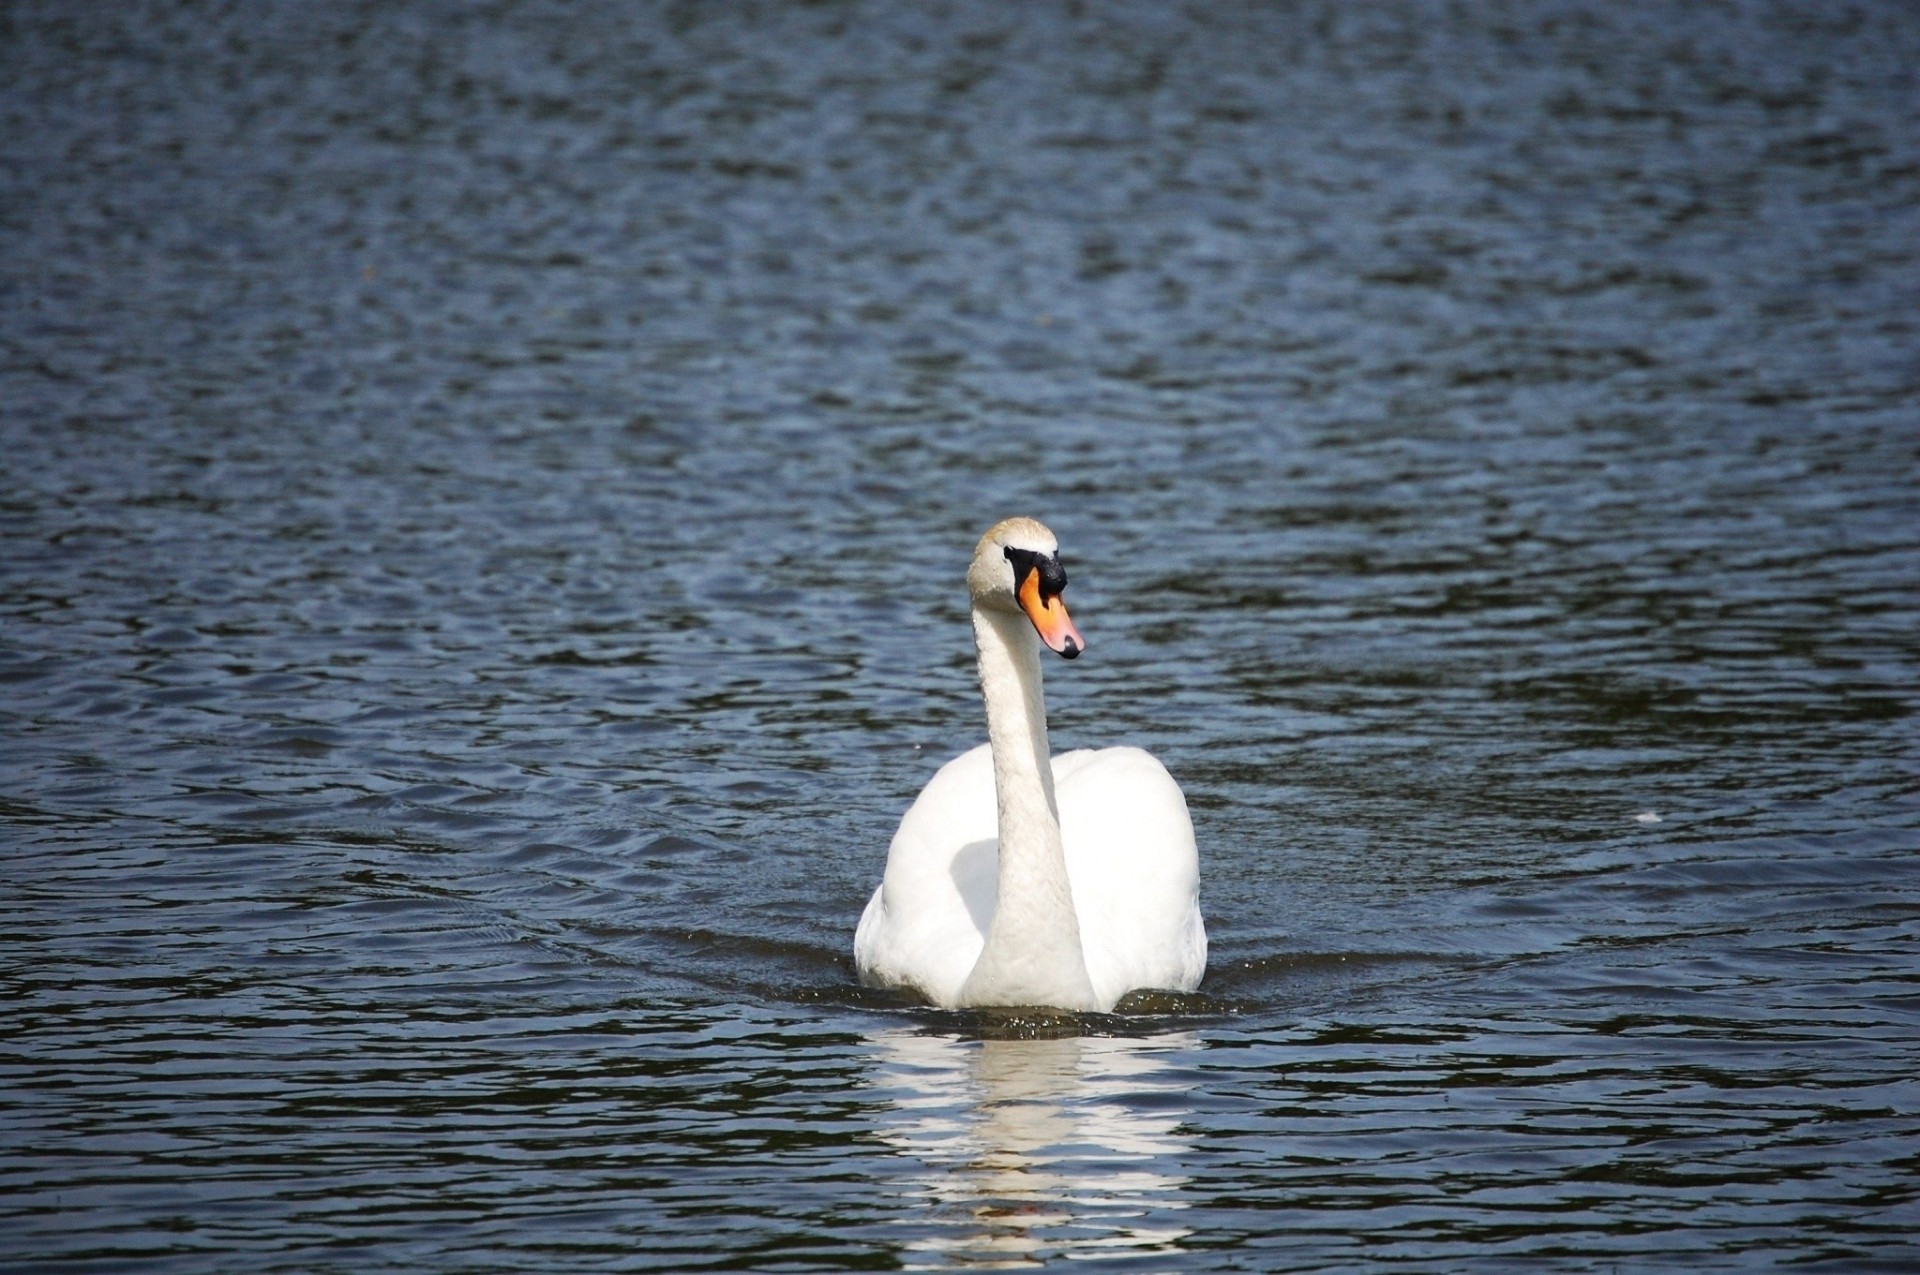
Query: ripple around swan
485	491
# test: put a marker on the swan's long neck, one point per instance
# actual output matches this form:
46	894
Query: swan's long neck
1032	954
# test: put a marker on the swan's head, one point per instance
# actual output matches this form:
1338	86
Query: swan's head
1016	567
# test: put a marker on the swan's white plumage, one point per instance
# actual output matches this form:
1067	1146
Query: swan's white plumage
1124	833
1130	856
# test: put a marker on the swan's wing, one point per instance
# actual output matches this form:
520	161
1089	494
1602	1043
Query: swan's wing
1134	868
927	921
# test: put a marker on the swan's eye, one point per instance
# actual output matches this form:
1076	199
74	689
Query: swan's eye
1053	576
1022	560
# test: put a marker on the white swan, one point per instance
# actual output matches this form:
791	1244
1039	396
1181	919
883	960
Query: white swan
1016	882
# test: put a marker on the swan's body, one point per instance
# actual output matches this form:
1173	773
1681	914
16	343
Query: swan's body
1019	878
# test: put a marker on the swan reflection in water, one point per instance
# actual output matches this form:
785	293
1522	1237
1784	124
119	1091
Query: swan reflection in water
1036	1148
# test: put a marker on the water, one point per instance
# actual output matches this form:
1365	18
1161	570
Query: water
486	490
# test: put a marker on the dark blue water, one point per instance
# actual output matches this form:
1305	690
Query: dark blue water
483	504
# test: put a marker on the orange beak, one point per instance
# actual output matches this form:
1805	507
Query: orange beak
1050	618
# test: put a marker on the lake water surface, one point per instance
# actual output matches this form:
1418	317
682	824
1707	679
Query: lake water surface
485	496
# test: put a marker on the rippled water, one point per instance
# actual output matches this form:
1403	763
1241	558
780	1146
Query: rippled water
486	490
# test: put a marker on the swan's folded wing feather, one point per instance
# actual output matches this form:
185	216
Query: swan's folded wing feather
926	923
1134	868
